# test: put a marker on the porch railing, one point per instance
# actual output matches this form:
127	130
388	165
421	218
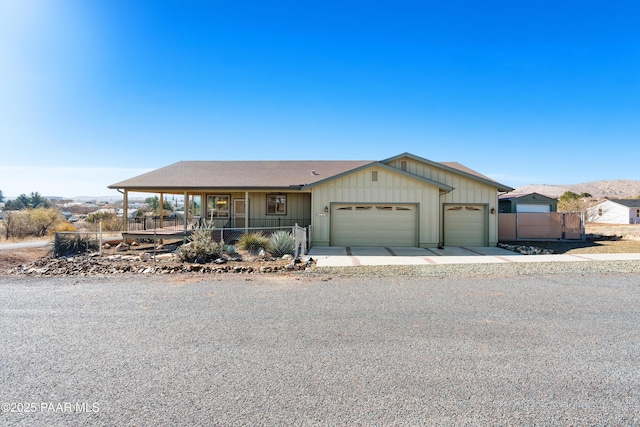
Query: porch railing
176	223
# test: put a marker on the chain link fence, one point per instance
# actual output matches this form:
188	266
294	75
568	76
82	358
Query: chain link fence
77	242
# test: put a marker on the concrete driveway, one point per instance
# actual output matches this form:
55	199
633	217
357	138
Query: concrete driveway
335	256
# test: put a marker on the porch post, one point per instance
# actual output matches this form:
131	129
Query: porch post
186	211
246	211
161	209
125	212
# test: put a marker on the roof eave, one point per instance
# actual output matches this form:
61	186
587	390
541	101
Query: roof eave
179	189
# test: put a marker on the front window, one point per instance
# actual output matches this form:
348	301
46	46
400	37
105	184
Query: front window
218	206
196	203
276	204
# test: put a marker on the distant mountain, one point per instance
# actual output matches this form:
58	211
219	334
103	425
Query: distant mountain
613	189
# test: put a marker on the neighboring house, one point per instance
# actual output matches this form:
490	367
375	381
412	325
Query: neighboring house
405	200
615	211
526	202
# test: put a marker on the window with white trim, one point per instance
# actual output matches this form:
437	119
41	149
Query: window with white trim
218	206
276	204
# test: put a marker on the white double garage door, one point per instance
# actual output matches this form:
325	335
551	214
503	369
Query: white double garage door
397	225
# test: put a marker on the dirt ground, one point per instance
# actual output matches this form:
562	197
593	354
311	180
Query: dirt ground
601	239
16	257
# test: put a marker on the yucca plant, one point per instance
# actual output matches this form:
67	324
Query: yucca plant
253	242
282	243
230	249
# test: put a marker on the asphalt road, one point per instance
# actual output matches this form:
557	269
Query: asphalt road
260	350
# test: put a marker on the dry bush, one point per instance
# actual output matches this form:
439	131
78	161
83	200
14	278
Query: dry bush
38	222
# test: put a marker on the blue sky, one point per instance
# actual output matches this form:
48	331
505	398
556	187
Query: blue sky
94	92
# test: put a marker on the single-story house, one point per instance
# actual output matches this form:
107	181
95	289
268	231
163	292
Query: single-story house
526	202
615	211
405	200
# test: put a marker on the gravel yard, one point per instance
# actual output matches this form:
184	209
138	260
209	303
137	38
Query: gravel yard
521	348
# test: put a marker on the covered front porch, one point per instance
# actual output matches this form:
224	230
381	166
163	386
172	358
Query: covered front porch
222	209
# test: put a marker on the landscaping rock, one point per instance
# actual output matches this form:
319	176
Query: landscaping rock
113	264
525	250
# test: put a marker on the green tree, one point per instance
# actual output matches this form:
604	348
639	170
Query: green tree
1	197
572	202
33	201
154	204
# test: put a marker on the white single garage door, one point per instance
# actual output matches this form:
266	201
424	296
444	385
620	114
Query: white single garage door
465	225
533	208
374	225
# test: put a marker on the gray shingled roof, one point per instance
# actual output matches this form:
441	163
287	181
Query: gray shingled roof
509	196
239	174
265	174
630	203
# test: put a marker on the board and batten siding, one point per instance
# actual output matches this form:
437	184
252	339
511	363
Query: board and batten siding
389	188
298	205
466	191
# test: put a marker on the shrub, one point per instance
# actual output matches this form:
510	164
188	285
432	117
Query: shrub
253	242
16	224
201	248
33	222
282	243
43	220
74	244
113	224
65	226
100	216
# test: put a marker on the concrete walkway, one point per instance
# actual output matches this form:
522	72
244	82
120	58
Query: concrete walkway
335	256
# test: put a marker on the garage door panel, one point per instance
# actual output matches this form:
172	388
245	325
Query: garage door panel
374	225
465	225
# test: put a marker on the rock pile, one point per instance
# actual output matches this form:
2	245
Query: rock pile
144	264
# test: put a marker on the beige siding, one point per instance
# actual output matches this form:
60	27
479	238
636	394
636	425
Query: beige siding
298	204
466	190
390	188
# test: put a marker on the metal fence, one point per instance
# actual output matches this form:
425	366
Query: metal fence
541	226
176	223
77	242
69	242
233	235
